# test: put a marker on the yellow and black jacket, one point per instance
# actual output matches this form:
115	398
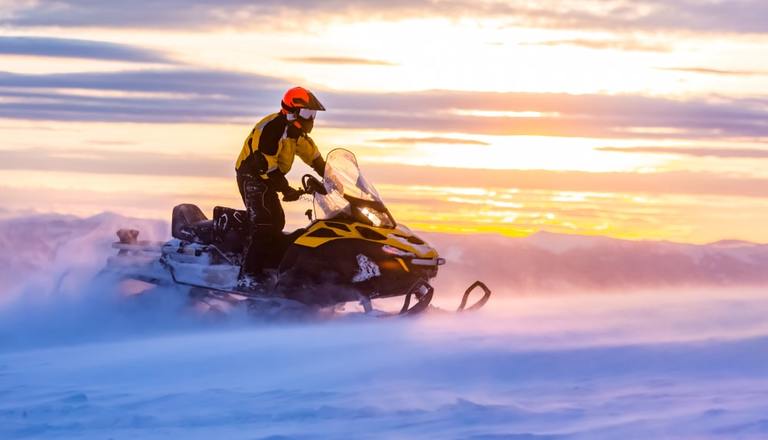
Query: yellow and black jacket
272	146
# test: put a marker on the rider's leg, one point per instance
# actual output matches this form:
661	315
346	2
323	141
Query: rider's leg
266	220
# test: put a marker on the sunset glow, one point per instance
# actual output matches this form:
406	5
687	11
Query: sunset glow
640	120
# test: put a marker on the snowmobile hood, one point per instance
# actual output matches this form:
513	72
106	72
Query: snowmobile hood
400	237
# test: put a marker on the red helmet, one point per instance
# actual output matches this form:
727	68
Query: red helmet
298	98
300	106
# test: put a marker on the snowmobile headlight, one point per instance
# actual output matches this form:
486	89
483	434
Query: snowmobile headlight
376	217
391	250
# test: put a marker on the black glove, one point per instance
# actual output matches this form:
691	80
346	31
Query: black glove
313	186
319	165
291	194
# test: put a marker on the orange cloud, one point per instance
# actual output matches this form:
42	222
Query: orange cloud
136	163
607	44
718	72
678	182
429	140
752	153
339	60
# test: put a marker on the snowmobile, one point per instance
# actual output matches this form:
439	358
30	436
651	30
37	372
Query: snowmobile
352	250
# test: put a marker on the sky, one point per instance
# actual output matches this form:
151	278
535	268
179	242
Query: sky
643	119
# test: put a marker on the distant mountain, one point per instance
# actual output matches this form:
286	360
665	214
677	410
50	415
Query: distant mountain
546	261
38	246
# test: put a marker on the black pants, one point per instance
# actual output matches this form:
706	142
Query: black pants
266	218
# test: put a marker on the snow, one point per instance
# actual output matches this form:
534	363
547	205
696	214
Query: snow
78	362
535	370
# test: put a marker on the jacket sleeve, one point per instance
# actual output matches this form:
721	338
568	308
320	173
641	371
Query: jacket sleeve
307	150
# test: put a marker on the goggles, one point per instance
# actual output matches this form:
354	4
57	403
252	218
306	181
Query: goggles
306	113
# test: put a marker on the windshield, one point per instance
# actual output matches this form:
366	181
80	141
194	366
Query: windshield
349	193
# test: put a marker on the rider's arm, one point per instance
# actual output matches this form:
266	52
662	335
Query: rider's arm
310	154
319	165
277	182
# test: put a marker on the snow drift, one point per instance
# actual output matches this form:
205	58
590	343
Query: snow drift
580	368
79	362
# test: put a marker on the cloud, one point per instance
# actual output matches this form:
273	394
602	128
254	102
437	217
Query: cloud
339	60
429	140
677	182
115	162
559	114
71	48
612	44
176	95
751	153
179	95
201	81
145	163
715	16
740	16
718	72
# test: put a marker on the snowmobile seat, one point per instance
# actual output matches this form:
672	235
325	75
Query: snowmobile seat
188	223
227	230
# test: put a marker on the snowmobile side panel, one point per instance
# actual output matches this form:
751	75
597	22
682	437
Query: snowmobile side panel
214	276
350	268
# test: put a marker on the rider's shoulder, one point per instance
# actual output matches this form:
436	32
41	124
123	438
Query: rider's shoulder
271	121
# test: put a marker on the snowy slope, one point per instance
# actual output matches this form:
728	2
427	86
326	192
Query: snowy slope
581	369
687	363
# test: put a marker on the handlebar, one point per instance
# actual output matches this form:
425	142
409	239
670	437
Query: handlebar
310	186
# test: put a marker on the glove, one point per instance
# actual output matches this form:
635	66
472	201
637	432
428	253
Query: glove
291	194
314	186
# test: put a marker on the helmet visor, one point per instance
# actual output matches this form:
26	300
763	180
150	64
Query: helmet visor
313	103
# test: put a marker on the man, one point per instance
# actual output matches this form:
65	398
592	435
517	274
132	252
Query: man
265	159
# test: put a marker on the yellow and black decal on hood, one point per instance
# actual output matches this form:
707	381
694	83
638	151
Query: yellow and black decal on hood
322	232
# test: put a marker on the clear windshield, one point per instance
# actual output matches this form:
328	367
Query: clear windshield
344	181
